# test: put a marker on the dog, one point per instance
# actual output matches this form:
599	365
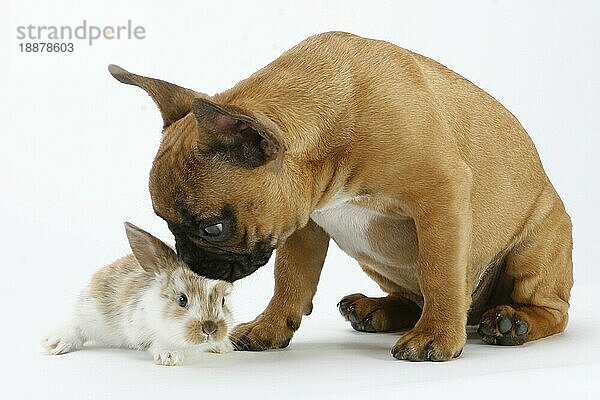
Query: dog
422	177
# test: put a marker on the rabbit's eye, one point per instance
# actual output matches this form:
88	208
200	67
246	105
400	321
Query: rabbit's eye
223	301
182	300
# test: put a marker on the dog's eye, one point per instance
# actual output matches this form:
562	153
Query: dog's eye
182	300
214	230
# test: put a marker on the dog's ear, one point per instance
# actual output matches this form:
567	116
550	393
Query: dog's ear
174	102
151	253
247	139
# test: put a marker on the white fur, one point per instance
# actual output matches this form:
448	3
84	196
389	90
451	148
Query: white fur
348	224
139	324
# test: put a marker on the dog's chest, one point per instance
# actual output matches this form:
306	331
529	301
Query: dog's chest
352	227
383	243
348	224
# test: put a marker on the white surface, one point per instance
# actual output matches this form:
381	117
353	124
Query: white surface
76	147
327	359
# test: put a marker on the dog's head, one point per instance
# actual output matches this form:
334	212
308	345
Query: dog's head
218	180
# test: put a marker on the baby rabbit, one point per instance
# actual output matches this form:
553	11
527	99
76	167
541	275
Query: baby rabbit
149	300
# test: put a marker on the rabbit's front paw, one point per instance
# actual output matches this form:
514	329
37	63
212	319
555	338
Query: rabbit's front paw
56	344
63	340
222	347
168	358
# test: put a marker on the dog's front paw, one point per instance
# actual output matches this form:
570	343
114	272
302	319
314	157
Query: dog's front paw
264	334
168	358
428	345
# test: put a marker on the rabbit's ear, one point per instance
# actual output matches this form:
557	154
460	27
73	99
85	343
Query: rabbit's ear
153	255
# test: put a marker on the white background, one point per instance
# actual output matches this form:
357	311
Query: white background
76	148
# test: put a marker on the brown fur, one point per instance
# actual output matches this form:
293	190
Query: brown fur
182	280
118	283
121	284
196	335
453	177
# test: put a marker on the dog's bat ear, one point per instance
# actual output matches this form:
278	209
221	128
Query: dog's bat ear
151	253
174	102
247	139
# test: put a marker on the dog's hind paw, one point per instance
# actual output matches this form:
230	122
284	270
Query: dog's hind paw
502	325
372	314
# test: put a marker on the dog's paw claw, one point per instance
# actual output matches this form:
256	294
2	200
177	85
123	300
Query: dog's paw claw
399	352
352	315
359	316
346	304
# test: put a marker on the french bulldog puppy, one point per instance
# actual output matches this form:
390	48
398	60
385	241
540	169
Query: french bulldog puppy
422	177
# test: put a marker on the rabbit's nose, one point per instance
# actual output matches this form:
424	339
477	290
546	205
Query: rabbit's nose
209	327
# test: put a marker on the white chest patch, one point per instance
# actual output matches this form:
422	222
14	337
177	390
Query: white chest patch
348	225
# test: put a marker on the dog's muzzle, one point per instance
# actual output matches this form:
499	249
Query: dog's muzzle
220	264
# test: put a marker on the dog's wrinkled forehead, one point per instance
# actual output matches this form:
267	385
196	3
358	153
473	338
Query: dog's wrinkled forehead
170	182
187	186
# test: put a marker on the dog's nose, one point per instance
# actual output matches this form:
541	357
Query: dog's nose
209	327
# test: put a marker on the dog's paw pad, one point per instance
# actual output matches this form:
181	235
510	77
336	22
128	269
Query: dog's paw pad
168	358
503	326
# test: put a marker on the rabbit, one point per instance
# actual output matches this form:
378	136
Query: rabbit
149	300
